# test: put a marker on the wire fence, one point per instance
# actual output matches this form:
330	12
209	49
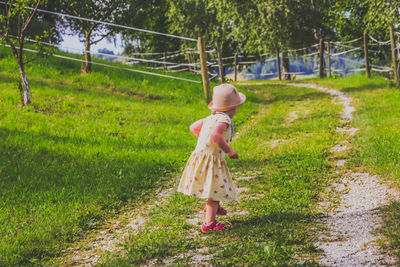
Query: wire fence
171	61
341	58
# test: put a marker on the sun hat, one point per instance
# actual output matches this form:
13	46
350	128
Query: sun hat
226	97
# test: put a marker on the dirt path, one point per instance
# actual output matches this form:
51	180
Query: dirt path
350	240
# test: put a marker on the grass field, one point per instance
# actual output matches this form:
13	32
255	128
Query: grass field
90	146
87	146
280	201
377	145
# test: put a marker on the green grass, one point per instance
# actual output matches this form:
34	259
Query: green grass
91	146
87	147
377	112
377	145
280	201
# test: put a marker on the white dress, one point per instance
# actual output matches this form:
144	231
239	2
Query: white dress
206	174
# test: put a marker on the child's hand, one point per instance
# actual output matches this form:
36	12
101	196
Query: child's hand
232	154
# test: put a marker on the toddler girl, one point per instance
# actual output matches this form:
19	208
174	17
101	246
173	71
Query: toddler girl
206	174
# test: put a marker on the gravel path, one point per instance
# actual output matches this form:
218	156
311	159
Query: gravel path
351	240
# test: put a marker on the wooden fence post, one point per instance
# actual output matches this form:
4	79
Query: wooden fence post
394	56
278	64
220	66
235	63
189	61
165	62
204	71
328	48
321	59
367	67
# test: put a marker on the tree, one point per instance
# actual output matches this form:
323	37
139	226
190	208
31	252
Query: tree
149	15
261	26
353	17
349	18
194	18
382	14
14	29
92	32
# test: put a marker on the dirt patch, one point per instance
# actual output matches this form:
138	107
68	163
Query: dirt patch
195	257
111	235
276	142
292	116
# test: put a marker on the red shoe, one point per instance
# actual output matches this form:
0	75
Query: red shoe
214	226
220	211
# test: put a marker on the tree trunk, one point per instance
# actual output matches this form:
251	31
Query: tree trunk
26	98
204	71
278	64
87	68
286	66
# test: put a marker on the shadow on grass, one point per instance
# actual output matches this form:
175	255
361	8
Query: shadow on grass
298	98
248	164
97	90
276	95
363	88
256	99
114	141
50	195
34	168
391	227
4	77
273	218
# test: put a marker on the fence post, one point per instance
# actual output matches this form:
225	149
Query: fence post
367	67
204	71
189	61
321	58
329	58
394	57
165	62
220	67
235	62
278	64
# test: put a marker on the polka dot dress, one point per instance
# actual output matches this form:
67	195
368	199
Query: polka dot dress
206	174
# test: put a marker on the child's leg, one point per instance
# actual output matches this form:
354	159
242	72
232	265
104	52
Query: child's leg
211	212
220	210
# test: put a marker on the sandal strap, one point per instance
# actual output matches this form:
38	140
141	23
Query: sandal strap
219	226
214	226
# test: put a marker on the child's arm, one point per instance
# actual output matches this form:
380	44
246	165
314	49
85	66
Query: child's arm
195	128
216	137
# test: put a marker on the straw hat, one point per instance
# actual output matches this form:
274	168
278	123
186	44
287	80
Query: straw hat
226	97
